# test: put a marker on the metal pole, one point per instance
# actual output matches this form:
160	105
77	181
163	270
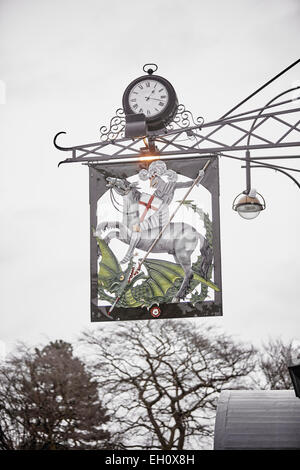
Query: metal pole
261	165
248	172
261	88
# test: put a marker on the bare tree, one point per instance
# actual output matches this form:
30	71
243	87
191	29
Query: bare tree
162	380
48	400
273	364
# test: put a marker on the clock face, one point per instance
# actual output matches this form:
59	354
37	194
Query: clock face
149	97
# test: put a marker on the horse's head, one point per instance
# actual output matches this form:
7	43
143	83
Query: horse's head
121	186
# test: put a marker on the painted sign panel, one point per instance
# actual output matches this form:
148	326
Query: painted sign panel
155	242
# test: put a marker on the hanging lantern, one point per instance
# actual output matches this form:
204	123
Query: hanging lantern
249	205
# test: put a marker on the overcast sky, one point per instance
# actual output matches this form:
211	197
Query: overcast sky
65	65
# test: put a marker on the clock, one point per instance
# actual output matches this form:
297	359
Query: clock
152	96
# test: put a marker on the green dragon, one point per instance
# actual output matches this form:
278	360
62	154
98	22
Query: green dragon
159	285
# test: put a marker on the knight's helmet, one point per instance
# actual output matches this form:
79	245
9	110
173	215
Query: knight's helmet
155	171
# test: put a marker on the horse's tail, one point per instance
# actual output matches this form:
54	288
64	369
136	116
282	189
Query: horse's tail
206	259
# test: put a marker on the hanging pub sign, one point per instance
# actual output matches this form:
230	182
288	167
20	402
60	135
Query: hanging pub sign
155	241
154	202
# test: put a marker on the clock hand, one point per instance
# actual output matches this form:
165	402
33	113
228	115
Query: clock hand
147	99
156	99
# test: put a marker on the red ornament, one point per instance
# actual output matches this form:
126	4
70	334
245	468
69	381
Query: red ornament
155	311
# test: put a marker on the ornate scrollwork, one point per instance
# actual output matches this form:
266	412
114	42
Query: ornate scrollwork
184	118
116	127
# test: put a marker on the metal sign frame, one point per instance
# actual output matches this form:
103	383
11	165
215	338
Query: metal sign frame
97	178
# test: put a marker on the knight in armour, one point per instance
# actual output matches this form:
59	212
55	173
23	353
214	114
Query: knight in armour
159	202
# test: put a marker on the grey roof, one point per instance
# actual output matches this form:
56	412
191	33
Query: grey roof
257	420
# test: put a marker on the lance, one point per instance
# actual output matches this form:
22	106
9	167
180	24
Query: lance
134	272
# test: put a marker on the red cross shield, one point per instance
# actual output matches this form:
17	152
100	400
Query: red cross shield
148	205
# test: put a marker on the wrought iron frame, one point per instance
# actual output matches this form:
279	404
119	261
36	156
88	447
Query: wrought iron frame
189	138
200	138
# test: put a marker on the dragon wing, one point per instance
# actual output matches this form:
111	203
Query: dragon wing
163	274
109	265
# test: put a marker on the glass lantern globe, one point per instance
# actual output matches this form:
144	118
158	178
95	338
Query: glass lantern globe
248	207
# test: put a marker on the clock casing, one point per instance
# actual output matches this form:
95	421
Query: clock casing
153	96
